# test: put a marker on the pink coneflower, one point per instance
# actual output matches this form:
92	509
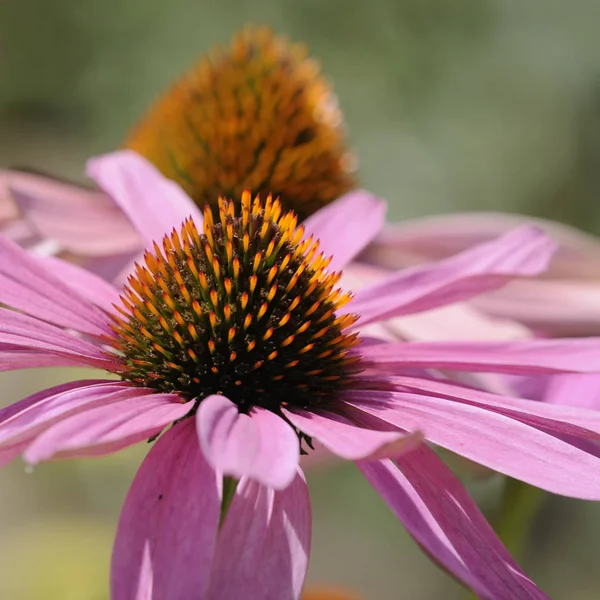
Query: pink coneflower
232	346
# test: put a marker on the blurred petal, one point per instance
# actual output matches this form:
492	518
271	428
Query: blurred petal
89	286
581	391
346	226
491	439
81	220
112	426
432	238
264	544
154	204
25	284
567	307
446	523
521	357
347	440
260	445
525	251
168	526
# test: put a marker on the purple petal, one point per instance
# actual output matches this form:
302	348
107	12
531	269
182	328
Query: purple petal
154	204
25	284
264	544
345	227
347	440
526	357
491	439
82	221
114	425
168	527
260	445
446	523
581	391
526	251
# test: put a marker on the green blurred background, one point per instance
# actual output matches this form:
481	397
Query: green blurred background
450	105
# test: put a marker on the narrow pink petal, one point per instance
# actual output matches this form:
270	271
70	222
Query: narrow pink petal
24	333
25	284
346	226
526	251
122	422
88	285
446	523
154	204
526	357
81	220
168	527
347	440
13	358
26	419
491	439
264	544
260	445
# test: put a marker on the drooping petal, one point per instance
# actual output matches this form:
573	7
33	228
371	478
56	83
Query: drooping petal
14	358
494	440
24	333
345	227
168	526
446	523
109	427
260	445
80	220
26	285
522	357
526	251
264	543
347	440
154	204
23	421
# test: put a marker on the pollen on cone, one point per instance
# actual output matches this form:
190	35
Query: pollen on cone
256	115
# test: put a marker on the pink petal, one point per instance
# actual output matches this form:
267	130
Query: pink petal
81	220
526	251
23	421
559	418
490	439
85	283
567	307
346	226
446	523
260	445
13	358
347	440
154	204
264	544
525	357
116	424
168	527
25	284
433	238
580	391
24	333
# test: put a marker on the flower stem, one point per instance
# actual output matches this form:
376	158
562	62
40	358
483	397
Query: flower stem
229	487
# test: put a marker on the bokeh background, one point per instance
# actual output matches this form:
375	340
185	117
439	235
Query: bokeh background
462	105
